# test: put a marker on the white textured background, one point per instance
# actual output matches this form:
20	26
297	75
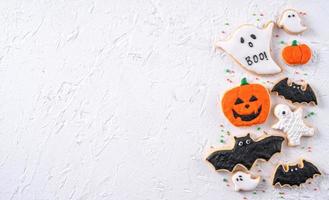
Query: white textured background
119	99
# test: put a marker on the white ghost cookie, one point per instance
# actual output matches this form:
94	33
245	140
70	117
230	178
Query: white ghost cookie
251	48
291	22
244	182
291	123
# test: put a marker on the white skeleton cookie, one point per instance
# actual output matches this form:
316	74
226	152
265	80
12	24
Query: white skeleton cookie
244	182
291	22
251	48
292	124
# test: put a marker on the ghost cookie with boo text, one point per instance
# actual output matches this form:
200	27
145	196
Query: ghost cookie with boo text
250	47
247	104
291	22
292	124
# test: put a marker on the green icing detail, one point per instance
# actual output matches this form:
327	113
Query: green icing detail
294	43
244	81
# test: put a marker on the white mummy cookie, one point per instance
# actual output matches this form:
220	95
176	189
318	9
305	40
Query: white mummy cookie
291	123
244	182
291	22
251	48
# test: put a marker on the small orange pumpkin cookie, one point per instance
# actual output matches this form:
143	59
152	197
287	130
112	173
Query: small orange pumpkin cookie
296	54
246	105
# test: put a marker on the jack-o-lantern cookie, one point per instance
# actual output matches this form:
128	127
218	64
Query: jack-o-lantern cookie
296	54
245	152
251	48
246	105
295	174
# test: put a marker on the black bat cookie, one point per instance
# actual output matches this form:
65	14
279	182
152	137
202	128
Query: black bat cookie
294	92
245	152
295	174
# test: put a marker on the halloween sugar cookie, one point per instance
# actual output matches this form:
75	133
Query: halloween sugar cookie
291	123
294	174
291	22
296	54
296	93
244	181
247	104
250	47
245	152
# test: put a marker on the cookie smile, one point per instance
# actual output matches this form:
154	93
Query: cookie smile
249	117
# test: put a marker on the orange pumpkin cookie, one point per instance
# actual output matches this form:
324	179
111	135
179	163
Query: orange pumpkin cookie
296	54
246	105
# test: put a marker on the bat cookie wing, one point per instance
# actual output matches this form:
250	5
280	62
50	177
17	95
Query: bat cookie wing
269	146
295	175
294	92
222	160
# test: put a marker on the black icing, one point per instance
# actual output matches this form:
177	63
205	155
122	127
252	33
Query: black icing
249	117
245	152
295	175
294	92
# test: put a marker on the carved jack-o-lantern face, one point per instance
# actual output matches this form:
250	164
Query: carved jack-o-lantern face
246	105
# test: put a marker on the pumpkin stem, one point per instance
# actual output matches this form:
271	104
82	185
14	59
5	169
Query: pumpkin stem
294	43
244	81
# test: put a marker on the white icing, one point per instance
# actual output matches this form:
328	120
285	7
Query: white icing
252	53
292	124
291	22
244	182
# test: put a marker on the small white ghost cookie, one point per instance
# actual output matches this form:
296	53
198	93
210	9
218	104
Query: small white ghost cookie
244	182
251	48
292	124
291	22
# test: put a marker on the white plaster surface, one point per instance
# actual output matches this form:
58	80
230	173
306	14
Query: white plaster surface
119	99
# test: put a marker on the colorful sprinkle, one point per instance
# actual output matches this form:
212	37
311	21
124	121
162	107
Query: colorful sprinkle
309	114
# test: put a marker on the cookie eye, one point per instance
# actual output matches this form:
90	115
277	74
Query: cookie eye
248	141
237	179
292	170
253	98
240	143
238	101
293	15
289	16
253	36
283	112
242	40
296	169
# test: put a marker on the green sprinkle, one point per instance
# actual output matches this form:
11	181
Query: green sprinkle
224	179
227	23
254	192
222	136
282	42
258	128
254	14
257	20
222	141
227	70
